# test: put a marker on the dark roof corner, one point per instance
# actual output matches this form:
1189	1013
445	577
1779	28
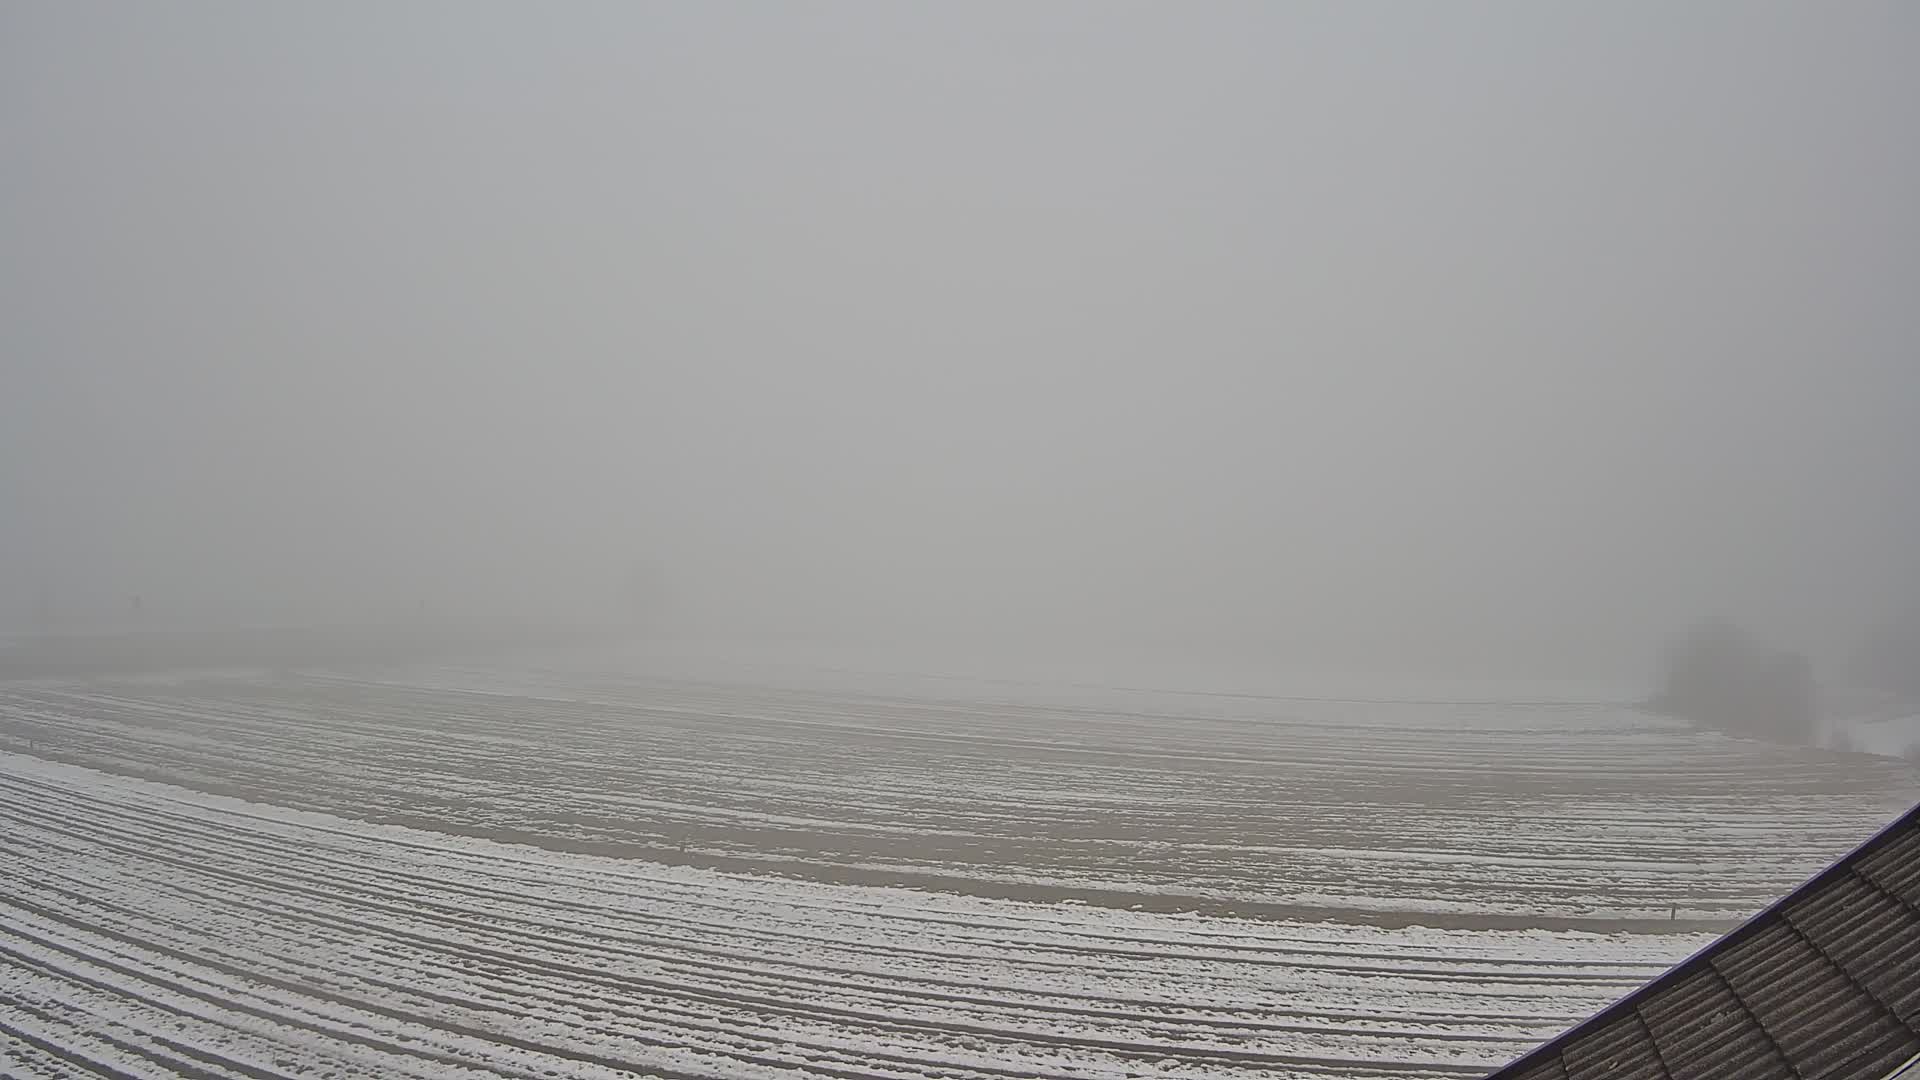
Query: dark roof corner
1824	984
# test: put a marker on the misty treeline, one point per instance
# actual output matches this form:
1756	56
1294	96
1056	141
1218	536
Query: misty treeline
1719	676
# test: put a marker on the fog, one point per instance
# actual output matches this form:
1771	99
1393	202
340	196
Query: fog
1499	336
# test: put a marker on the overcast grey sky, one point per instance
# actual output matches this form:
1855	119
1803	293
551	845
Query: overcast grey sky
1498	333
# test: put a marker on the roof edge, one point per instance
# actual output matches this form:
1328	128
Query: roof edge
1705	953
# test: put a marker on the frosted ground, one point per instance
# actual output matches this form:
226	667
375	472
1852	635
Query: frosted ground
592	864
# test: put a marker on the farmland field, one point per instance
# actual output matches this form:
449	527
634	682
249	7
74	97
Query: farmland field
577	867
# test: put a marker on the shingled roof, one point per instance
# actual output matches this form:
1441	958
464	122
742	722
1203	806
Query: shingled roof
1823	985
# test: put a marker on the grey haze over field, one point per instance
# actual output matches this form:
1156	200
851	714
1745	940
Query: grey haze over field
1494	336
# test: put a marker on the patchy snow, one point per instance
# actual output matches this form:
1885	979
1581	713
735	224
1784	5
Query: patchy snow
583	871
1568	811
143	918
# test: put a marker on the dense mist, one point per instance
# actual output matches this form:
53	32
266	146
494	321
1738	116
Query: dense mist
1498	336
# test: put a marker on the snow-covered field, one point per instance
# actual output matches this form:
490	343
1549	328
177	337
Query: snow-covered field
567	870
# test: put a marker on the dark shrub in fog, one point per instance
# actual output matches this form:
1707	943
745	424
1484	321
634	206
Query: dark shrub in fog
1717	676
